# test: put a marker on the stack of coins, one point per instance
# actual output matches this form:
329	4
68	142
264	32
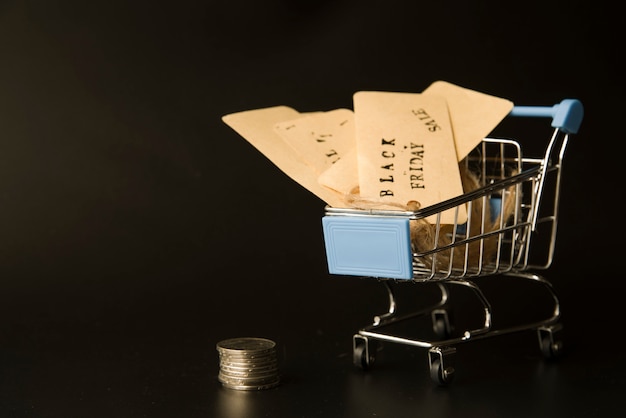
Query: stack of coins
248	363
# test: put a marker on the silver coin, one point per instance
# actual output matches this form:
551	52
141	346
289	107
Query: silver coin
240	370
249	362
246	354
247	381
247	374
247	371
242	354
265	386
246	346
242	378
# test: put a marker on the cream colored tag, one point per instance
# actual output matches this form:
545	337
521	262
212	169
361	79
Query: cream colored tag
473	114
320	139
342	176
257	127
405	150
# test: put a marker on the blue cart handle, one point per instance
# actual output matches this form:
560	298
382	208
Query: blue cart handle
566	116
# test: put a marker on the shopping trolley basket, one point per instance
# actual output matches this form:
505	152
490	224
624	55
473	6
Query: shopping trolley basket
514	198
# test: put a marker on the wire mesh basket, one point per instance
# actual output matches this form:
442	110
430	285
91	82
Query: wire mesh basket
504	224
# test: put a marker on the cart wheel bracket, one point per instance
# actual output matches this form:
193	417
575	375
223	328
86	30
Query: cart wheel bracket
442	325
363	352
441	364
551	346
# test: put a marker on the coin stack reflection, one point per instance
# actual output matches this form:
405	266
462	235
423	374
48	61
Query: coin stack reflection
248	363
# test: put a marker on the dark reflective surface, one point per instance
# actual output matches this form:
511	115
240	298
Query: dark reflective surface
137	230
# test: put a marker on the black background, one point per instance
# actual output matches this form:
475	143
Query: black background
137	230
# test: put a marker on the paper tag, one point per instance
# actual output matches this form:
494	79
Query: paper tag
257	127
320	139
473	115
343	175
406	150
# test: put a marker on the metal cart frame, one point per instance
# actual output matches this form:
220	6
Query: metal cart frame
516	197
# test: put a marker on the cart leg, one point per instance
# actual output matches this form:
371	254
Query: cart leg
551	346
441	363
363	351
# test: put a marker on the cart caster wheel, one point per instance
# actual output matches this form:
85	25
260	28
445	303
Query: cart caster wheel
441	370
362	352
439	374
441	323
551	348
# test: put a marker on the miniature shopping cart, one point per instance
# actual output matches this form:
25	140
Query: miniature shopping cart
505	226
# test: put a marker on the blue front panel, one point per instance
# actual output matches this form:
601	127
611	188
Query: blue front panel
368	246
